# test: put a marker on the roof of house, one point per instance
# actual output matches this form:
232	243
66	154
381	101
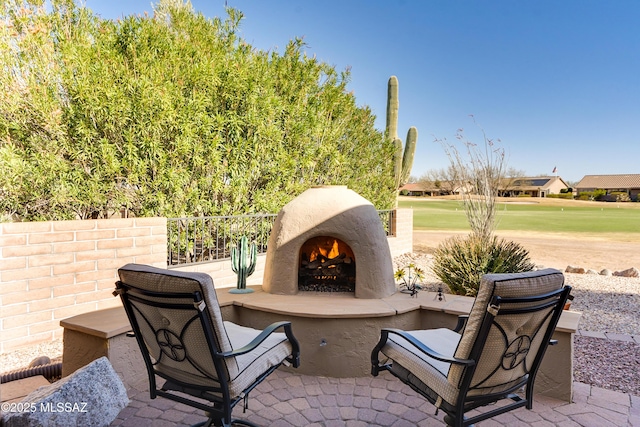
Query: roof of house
419	186
413	186
532	183
610	181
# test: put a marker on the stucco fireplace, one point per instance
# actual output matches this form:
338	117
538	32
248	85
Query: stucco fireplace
329	239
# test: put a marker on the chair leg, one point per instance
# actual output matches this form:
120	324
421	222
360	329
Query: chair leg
452	422
243	423
219	423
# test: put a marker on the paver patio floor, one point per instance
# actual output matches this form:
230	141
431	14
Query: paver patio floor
288	399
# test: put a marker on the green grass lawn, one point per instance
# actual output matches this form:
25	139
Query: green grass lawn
571	217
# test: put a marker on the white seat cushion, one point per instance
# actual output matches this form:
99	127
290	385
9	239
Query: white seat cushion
426	369
271	352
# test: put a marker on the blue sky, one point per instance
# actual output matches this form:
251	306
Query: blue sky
556	81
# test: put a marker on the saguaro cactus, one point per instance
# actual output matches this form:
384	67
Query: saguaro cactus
243	263
403	161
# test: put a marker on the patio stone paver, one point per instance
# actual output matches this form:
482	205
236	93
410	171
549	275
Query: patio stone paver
287	399
386	402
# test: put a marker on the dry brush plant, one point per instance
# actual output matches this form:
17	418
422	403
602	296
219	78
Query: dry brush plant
461	262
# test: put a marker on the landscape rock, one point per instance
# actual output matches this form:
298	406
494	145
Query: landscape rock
40	361
576	270
591	271
605	272
92	396
629	272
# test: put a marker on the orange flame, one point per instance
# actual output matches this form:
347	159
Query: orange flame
328	250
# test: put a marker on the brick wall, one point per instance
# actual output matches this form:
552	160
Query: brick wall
53	270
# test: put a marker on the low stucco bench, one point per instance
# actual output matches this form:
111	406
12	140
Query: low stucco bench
89	336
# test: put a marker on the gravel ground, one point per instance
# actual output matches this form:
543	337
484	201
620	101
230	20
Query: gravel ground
608	304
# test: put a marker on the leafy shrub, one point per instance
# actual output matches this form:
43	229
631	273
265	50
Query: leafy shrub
561	196
592	195
599	194
460	262
171	115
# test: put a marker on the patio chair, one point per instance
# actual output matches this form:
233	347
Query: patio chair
492	354
207	363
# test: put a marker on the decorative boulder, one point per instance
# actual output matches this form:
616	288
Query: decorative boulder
605	272
629	272
576	270
92	396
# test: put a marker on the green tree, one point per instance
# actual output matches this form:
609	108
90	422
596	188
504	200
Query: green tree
171	114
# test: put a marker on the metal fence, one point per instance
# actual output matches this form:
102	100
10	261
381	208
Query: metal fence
193	240
209	238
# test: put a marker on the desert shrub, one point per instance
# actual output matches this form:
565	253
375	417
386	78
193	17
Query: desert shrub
460	262
621	196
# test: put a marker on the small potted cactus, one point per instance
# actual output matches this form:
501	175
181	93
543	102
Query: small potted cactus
243	263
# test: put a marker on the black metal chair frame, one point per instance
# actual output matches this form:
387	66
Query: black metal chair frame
456	413
220	408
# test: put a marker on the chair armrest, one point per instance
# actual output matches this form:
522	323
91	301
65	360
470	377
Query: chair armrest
261	337
423	348
462	322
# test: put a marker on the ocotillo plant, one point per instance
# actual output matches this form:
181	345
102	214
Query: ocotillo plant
403	161
243	263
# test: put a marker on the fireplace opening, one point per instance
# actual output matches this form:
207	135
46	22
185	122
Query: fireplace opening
326	264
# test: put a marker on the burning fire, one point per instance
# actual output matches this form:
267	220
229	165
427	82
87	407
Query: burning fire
327	248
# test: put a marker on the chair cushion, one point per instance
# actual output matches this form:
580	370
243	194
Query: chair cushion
407	360
161	280
271	352
507	286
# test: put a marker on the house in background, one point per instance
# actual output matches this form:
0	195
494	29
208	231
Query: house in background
418	189
539	186
629	184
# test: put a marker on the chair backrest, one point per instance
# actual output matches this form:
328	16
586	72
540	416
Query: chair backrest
176	316
508	329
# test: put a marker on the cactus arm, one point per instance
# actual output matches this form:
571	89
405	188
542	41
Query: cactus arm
252	260
409	152
234	260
